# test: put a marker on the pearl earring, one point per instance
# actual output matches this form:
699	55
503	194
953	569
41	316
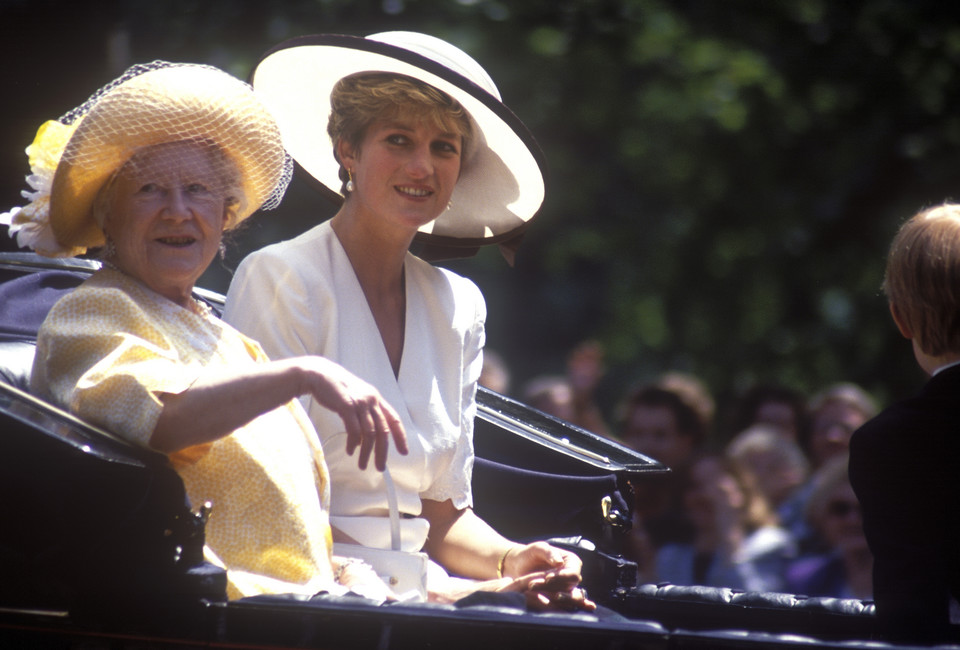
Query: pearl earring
350	186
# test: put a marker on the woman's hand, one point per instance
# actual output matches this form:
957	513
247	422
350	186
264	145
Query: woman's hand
540	557
465	544
542	590
221	401
547	575
369	419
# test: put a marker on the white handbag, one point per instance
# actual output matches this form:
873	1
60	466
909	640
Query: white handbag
405	572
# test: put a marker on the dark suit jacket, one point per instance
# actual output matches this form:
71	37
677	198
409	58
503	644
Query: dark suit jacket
905	470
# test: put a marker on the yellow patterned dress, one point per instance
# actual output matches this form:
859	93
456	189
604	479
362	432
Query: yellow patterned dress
109	348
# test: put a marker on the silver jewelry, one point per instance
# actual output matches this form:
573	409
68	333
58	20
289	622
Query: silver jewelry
222	250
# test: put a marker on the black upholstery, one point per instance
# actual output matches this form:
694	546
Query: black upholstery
711	608
24	303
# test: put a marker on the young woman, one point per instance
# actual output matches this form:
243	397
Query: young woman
420	146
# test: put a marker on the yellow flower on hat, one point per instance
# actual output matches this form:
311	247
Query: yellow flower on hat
45	151
30	224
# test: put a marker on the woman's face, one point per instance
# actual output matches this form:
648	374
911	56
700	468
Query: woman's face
842	523
166	217
830	432
404	170
776	477
712	494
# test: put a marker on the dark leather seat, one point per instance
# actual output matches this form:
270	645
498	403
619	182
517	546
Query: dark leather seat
24	304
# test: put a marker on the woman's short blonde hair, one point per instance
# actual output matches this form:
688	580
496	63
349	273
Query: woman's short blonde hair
358	100
922	279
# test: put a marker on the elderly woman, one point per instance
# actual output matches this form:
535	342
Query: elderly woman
154	168
422	148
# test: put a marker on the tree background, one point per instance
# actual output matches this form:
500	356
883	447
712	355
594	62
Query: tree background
724	177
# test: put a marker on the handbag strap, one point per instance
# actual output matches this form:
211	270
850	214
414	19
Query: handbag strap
394	510
391	503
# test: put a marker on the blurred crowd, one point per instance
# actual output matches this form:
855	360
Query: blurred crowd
758	496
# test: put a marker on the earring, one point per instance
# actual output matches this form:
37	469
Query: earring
350	186
449	205
222	250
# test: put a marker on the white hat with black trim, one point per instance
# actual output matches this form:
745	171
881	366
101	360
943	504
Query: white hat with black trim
501	185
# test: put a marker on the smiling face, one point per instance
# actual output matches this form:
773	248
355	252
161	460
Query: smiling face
404	170
166	214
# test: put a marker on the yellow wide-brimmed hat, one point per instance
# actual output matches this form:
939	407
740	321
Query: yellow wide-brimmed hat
501	186
150	104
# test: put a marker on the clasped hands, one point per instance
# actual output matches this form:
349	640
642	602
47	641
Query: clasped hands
549	577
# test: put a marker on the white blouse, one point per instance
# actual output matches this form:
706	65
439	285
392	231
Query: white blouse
302	297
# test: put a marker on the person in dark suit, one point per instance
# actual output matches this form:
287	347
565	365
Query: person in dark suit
903	463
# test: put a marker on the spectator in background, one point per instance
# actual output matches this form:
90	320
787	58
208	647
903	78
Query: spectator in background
773	405
571	396
551	394
695	394
585	369
844	569
668	420
776	461
835	413
737	542
495	374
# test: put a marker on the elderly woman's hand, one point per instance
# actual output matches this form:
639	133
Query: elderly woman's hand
369	419
360	578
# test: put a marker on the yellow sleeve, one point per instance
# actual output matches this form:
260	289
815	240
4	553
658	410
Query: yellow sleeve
106	360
